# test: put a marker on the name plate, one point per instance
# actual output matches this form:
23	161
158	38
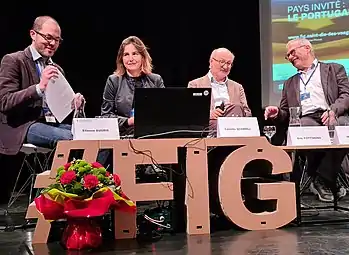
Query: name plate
341	135
95	129
237	127
308	136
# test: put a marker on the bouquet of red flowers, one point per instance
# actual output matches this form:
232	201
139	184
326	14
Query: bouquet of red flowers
82	191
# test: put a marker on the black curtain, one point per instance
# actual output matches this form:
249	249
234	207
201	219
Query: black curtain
180	37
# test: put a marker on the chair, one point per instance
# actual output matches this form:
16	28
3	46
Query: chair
305	179
34	167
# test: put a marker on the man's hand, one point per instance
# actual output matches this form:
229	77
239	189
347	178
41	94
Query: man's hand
78	100
271	112
131	121
216	113
328	118
48	73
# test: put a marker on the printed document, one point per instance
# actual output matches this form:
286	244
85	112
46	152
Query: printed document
59	97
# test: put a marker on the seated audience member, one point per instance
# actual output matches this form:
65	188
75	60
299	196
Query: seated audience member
322	92
133	70
224	91
24	76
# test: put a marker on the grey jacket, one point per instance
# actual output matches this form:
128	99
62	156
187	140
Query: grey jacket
334	82
118	97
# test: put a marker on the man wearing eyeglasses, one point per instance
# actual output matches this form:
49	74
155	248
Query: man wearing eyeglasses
228	97
24	76
322	92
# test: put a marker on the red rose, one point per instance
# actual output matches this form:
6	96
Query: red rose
90	181
117	180
96	165
66	166
107	174
68	177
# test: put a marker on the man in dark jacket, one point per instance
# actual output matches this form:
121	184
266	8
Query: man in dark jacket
24	75
322	92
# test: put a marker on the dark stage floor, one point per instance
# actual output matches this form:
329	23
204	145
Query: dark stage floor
328	238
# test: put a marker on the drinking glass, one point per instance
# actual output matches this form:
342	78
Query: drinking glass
295	113
269	132
331	129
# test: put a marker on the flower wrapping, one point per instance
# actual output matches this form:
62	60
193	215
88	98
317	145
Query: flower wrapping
82	233
56	204
82	191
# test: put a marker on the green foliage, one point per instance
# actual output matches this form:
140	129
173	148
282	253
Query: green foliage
82	178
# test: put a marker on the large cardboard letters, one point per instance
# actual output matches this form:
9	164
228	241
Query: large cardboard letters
128	153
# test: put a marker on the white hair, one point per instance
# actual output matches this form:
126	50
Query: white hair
302	42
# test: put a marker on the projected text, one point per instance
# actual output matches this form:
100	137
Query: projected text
332	9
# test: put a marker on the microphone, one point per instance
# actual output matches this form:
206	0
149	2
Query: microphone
221	106
49	62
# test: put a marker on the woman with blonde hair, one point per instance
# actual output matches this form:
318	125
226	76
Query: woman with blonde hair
133	70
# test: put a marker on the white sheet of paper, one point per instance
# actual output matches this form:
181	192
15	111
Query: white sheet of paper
59	97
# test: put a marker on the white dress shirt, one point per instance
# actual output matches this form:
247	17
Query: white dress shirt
310	82
219	90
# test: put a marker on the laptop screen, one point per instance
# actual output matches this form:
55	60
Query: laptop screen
171	112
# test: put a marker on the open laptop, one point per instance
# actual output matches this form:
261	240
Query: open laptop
171	112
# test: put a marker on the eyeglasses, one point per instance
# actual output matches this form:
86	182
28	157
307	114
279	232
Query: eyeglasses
223	62
292	52
49	38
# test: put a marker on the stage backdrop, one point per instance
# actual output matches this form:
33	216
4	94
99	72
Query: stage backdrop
180	37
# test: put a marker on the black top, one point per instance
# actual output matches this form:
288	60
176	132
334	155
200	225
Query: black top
119	93
134	82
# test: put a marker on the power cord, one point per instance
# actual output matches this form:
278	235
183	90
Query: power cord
158	222
174	132
148	230
148	153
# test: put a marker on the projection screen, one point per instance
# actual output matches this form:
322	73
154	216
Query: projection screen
324	23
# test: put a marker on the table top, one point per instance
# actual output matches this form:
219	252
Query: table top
308	147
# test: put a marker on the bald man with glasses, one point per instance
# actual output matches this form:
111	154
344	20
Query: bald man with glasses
228	97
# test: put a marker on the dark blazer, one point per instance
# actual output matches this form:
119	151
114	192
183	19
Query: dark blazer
20	105
118	96
334	82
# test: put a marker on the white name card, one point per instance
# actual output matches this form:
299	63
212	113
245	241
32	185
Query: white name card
95	129
341	135
308	136
237	127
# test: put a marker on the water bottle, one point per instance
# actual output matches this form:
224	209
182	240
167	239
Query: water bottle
132	113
